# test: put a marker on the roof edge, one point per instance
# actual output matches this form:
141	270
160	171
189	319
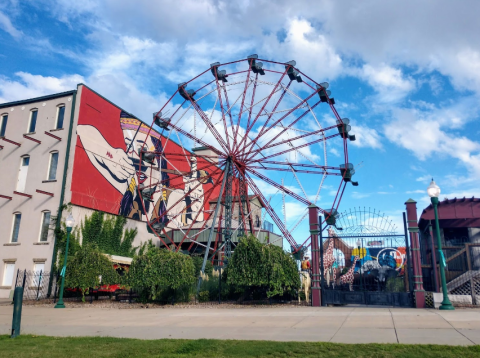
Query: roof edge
37	99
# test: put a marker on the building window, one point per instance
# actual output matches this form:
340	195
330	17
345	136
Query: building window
3	124
52	169
22	174
8	274
45	226
33	121
60	116
17	217
38	272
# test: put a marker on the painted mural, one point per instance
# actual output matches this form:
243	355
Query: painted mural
108	171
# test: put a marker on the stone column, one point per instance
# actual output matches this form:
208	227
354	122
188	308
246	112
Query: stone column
314	230
412	224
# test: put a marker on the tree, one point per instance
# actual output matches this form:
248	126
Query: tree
89	268
160	271
262	267
198	262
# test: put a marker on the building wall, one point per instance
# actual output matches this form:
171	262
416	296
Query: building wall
80	213
102	134
255	207
29	249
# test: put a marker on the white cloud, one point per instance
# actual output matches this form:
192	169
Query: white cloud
425	178
421	134
366	137
416	191
312	50
357	195
389	82
26	85
7	26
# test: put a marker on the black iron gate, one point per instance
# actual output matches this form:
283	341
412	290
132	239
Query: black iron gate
371	262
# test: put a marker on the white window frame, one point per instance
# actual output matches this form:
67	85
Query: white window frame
56	117
5	265
19	172
2	118
41	225
50	164
36	273
30	120
13	226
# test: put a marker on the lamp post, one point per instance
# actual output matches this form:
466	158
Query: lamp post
70	222
434	192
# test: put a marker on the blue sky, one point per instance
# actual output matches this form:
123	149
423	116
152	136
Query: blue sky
406	73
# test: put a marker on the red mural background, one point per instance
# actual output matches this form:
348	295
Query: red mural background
89	187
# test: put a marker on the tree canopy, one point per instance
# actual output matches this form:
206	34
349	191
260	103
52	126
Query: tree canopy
159	269
256	265
89	268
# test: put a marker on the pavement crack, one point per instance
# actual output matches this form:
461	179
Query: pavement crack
339	328
394	327
451	325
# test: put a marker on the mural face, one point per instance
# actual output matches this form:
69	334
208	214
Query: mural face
108	170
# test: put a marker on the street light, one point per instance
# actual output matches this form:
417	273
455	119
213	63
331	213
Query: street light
434	192
70	222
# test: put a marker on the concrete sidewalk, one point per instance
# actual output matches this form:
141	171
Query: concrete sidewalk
326	324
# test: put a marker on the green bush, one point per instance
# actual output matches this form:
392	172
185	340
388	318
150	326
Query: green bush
89	268
160	274
198	261
204	296
262	268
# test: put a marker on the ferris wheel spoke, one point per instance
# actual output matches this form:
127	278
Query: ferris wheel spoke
247	83
219	98
303	165
261	110
252	101
211	127
285	90
194	220
243	196
278	186
291	140
286	115
271	212
159	217
295	148
193	138
185	236
293	170
299	183
304	216
246	147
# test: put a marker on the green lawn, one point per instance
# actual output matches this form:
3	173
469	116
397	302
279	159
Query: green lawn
41	346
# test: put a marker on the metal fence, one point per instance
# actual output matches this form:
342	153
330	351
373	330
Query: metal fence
213	291
34	283
462	271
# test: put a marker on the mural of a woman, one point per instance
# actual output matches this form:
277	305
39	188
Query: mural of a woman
123	169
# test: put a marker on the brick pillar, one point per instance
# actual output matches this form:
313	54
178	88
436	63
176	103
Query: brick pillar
314	230
412	224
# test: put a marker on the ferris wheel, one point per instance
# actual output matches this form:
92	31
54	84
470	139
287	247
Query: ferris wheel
258	128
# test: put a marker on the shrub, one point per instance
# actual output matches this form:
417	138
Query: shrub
160	273
198	261
89	268
264	268
204	296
